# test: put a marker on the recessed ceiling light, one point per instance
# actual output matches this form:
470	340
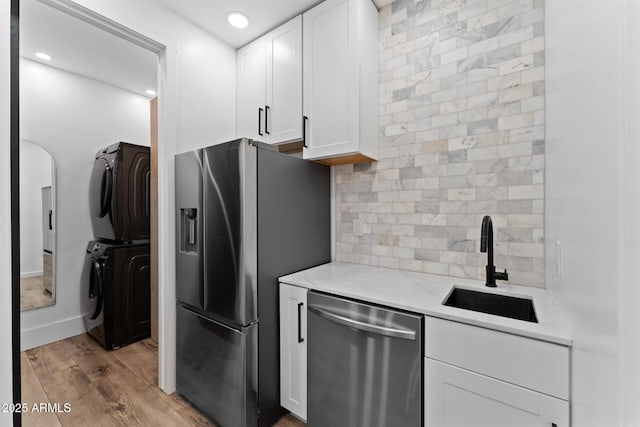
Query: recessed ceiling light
43	56
150	92
237	19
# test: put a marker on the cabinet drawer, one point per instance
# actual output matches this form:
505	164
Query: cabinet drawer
456	397
536	365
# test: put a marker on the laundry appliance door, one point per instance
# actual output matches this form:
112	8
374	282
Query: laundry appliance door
100	197
93	289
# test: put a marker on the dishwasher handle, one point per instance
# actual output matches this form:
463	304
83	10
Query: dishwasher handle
406	334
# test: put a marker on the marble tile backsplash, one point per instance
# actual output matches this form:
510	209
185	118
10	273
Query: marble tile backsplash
461	136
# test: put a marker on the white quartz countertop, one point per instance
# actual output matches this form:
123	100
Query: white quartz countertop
424	293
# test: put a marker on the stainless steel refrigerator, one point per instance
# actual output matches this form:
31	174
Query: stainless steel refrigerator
246	214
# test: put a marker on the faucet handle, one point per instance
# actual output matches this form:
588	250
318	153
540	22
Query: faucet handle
501	276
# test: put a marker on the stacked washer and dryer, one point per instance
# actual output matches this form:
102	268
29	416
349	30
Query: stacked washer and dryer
117	271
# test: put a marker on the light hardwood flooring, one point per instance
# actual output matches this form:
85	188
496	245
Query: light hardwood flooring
33	294
116	388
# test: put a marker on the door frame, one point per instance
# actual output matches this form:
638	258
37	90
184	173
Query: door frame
108	17
16	376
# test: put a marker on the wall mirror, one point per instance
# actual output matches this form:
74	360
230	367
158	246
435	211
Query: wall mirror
37	227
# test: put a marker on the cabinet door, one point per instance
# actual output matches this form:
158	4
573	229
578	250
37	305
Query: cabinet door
330	79
284	83
456	397
293	349
252	75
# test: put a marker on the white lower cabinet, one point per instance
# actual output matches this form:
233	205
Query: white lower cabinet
293	350
473	377
456	397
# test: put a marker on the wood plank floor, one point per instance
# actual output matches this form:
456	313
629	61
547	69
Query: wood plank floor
33	294
116	388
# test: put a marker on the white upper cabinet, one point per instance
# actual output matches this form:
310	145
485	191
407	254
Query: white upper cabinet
340	81
270	86
252	93
284	82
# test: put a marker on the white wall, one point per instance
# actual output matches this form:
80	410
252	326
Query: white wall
630	231
592	202
5	217
72	117
196	108
205	70
35	173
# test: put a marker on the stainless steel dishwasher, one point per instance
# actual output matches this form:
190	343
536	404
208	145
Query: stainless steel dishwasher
364	365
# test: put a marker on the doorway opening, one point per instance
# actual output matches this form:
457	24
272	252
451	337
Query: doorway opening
65	82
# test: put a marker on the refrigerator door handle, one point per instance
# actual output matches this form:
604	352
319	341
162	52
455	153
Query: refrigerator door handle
406	334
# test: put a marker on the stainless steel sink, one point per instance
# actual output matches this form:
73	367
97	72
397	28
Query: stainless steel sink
499	305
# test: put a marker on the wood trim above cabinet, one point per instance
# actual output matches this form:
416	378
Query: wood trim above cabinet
291	147
345	160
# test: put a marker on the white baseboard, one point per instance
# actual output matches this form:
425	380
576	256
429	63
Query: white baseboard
27	274
51	332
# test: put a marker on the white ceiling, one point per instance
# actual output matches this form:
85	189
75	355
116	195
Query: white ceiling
264	15
84	49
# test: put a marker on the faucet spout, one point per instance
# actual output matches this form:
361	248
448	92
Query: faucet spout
486	238
486	245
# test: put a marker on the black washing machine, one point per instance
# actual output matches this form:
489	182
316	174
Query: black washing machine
117	292
119	193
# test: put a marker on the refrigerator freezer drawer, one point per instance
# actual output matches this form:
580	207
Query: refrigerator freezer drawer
217	368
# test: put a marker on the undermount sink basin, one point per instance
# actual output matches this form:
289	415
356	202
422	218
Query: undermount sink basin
499	305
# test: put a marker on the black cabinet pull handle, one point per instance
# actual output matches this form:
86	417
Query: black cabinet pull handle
50	219
266	119
304	131
300	339
260	121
